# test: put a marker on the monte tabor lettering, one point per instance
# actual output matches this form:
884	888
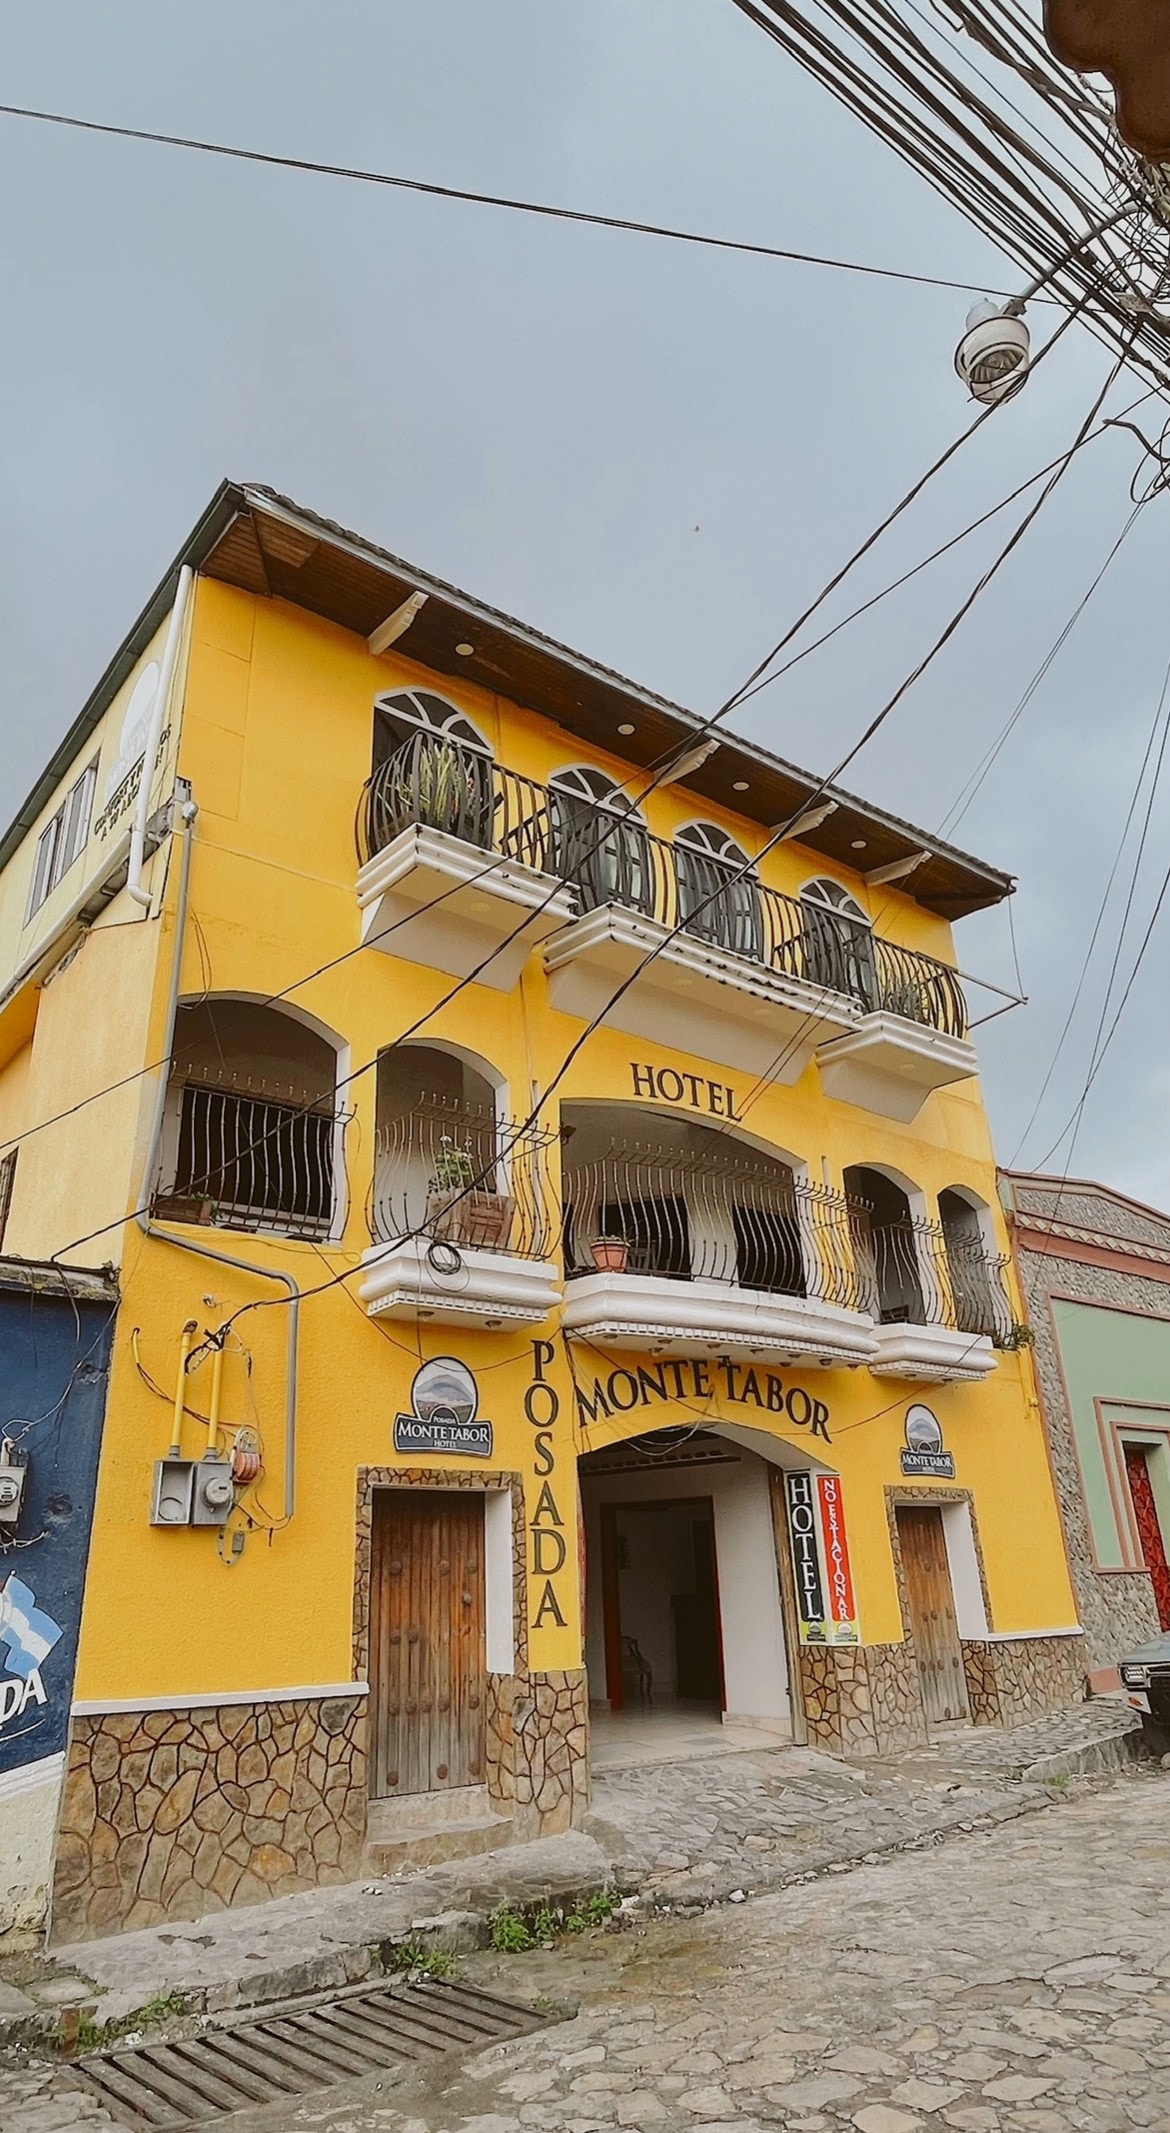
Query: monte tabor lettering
621	1391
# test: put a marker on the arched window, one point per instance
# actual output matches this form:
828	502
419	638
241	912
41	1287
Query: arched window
450	1169
886	1241
838	942
648	1194
718	894
598	842
977	1301
432	770
408	711
251	1134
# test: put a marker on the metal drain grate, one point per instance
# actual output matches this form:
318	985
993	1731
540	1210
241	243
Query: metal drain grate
241	2067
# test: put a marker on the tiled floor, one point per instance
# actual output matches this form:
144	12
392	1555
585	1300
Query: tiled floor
668	1732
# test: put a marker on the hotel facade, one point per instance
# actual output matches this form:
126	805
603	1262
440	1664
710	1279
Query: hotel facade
560	1278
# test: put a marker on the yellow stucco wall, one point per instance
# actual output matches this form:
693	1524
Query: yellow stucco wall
276	743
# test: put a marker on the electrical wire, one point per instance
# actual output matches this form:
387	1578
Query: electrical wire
482	199
736	874
1161	718
705	727
968	792
905	89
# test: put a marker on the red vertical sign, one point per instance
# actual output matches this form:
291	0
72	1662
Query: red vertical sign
841	1608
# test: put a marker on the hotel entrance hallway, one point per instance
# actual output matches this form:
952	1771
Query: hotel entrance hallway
684	1633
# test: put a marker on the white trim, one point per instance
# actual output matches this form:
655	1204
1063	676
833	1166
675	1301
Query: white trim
1016	1636
30	1776
963	1562
499	1605
98	1707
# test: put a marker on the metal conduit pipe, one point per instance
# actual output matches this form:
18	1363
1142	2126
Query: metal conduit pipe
154	730
187	814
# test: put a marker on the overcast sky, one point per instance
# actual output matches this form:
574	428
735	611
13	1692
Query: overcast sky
655	453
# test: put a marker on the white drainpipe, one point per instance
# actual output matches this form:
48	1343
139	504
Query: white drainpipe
154	734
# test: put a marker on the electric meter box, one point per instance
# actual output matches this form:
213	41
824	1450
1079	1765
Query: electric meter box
191	1492
13	1473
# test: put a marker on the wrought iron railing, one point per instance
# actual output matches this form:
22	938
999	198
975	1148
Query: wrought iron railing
922	1274
452	1174
607	856
244	1159
750	1223
430	782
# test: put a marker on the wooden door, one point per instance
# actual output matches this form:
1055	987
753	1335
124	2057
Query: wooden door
932	1612
428	1675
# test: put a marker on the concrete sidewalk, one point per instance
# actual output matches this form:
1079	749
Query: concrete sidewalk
675	1834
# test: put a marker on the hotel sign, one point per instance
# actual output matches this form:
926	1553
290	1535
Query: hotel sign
825	1604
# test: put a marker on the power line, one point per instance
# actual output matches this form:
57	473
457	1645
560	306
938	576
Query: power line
705	727
481	199
967	794
1099	922
735	874
777	836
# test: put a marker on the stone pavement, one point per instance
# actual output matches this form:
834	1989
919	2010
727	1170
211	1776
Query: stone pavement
1015	1980
693	1832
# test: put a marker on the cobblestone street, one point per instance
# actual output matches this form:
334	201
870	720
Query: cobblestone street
1017	1978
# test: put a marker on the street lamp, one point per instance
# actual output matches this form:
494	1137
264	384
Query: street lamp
992	357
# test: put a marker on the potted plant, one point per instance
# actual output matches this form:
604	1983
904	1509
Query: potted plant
433	783
610	1254
460	1211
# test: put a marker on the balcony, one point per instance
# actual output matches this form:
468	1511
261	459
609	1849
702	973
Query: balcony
462	861
912	1036
939	1298
452	850
698	1248
461	1217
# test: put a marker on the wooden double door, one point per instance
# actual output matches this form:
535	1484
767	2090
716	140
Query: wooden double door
933	1620
428	1665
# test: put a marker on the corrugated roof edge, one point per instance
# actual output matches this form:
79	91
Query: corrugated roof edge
232	497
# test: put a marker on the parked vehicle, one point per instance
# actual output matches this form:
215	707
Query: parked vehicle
1145	1677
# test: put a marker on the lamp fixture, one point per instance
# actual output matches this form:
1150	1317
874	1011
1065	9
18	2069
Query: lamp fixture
992	357
741	785
397	624
858	844
465	650
627	728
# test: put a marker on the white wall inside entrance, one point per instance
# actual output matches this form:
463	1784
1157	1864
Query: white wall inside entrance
754	1667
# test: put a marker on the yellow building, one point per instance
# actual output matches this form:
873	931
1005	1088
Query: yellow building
562	1282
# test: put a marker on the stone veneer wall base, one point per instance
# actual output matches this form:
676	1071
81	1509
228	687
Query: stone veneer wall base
863	1700
172	1814
1022	1678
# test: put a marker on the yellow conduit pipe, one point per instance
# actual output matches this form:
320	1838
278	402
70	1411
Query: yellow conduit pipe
185	1339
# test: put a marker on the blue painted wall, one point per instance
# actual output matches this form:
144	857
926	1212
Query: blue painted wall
54	1367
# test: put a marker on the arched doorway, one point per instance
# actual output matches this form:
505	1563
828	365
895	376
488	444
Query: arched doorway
685	1637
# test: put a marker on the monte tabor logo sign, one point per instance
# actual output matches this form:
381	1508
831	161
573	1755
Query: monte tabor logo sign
445	1401
695	1378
